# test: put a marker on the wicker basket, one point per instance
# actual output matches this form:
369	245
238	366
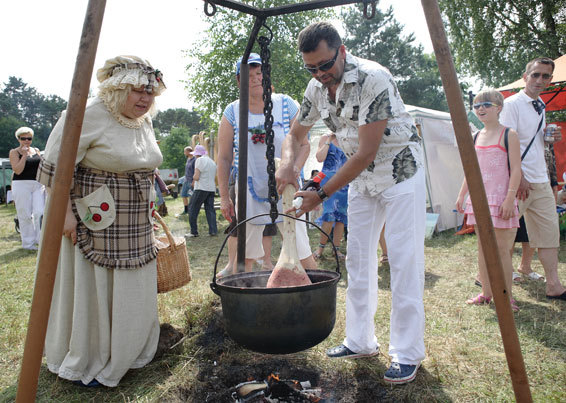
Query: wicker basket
173	269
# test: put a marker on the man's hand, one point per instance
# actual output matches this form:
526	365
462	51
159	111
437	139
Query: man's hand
227	208
310	201
524	189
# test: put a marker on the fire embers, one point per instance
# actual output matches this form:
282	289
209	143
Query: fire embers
275	390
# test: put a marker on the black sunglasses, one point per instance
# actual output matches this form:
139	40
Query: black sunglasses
26	138
545	76
484	104
324	66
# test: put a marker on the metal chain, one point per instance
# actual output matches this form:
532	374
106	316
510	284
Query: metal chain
373	7
267	112
209	8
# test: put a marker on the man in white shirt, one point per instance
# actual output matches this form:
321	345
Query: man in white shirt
524	112
204	189
359	101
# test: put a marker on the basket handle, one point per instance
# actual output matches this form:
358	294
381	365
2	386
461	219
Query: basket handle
165	228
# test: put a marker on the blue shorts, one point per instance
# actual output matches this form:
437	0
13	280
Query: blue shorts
186	190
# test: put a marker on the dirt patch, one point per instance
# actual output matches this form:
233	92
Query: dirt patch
220	372
168	337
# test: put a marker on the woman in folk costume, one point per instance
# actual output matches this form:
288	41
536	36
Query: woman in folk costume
103	319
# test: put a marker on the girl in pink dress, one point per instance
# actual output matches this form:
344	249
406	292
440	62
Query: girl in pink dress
501	174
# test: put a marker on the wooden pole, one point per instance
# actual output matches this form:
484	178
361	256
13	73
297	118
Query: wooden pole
479	200
59	195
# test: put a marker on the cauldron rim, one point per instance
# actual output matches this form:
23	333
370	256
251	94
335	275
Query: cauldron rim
218	286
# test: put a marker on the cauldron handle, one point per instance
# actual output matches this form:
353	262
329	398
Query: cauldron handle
213	284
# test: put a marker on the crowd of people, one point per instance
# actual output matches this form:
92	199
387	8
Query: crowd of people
373	161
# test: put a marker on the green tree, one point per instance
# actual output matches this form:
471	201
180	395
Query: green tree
22	105
494	39
166	120
8	126
380	39
172	147
211	73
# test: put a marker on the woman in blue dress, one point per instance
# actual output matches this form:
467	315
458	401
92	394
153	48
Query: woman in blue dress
335	208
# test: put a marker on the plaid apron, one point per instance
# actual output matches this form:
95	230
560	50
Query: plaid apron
127	243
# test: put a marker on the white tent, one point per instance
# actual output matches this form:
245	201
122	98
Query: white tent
444	173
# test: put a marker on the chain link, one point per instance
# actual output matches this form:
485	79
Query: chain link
267	112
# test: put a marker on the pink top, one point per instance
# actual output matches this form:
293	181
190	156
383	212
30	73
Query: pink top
495	174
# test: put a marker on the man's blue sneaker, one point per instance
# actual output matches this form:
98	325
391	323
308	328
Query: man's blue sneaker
344	352
400	373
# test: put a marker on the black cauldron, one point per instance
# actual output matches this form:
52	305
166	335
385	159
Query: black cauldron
277	320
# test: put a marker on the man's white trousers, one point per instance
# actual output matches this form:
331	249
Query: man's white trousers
402	208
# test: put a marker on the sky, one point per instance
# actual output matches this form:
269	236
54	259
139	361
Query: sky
40	39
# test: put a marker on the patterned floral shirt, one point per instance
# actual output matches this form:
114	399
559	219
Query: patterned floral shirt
366	94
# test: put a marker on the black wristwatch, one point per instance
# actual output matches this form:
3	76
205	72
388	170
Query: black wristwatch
322	194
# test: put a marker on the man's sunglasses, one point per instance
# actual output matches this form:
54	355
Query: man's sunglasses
484	104
26	138
545	76
324	66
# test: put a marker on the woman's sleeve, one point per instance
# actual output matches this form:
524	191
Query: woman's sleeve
293	107
93	126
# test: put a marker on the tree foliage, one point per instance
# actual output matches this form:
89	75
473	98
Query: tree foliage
22	105
380	39
172	147
211	72
179	117
494	39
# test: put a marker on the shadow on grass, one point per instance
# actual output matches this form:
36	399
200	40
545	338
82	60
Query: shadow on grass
16	254
132	386
445	239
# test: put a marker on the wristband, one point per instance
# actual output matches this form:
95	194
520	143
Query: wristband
322	194
511	190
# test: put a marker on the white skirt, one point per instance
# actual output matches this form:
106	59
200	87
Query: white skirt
102	322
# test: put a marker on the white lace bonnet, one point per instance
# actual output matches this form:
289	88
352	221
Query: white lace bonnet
120	71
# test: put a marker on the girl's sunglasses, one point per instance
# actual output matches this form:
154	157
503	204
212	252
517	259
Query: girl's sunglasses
484	104
26	138
324	66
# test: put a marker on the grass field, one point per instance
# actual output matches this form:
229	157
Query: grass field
465	359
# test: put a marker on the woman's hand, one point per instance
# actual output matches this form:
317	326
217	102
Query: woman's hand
70	226
460	204
227	208
507	208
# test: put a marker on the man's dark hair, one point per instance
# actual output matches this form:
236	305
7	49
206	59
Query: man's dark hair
540	60
310	37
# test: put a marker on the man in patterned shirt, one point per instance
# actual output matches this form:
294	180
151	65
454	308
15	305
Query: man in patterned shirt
358	100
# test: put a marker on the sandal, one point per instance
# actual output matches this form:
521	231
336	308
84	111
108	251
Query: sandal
517	277
340	255
223	273
533	276
318	253
480	299
383	259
